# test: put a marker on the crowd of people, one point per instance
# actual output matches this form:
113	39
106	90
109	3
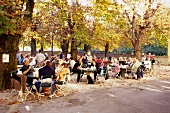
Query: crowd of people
59	66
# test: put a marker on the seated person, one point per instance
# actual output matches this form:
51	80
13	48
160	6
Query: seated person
61	74
72	62
48	70
153	61
115	66
77	68
55	63
105	61
59	66
66	61
27	70
135	67
85	62
93	63
129	61
99	67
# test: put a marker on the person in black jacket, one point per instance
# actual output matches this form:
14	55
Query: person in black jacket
77	68
48	70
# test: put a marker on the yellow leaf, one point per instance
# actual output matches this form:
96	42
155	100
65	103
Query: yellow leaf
20	3
16	12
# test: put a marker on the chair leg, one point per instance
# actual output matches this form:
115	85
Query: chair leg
29	92
20	96
73	78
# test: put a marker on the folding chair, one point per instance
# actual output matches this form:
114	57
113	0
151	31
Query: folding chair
45	82
67	77
73	77
28	89
59	84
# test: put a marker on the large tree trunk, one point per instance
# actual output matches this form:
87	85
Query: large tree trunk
106	49
9	46
64	47
33	46
74	49
138	43
137	49
87	48
28	18
42	47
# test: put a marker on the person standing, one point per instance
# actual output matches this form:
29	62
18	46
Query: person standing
150	57
61	55
18	58
40	58
21	59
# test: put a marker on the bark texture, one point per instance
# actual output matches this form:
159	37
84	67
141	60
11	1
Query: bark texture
9	45
106	49
87	48
74	49
33	46
65	46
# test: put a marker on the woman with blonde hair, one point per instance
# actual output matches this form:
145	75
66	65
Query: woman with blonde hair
63	74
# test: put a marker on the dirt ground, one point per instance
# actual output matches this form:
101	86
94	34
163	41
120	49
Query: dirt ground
159	73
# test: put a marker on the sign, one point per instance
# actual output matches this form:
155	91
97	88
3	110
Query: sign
5	58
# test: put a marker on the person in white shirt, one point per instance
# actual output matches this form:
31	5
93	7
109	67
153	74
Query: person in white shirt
143	59
40	59
72	62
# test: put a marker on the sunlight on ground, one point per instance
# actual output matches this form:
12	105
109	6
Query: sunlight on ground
165	82
153	89
165	87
